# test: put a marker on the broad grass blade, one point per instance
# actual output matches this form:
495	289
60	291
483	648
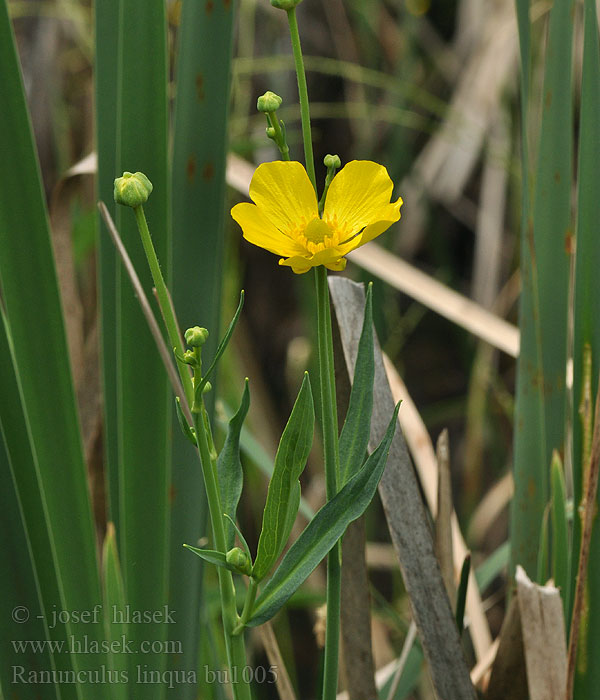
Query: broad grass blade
34	319
203	75
142	390
545	249
106	14
587	329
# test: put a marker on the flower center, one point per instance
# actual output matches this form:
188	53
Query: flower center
317	231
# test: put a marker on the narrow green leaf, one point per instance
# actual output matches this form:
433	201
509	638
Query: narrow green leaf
354	438
212	556
283	494
229	466
186	428
241	537
115	611
222	345
323	531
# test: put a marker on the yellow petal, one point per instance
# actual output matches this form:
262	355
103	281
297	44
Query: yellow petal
370	232
257	229
284	194
359	195
330	258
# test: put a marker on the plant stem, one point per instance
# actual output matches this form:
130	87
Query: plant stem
303	94
236	651
248	605
332	476
164	302
328	395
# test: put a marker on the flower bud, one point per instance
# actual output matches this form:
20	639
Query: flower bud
189	357
239	560
285	4
269	102
332	161
271	133
196	337
132	190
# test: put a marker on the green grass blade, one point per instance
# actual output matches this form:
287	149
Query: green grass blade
106	62
529	431
19	593
42	588
561	551
144	401
552	225
34	320
198	180
586	324
114	610
545	246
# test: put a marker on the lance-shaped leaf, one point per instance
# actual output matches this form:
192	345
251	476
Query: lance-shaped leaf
323	531
222	345
284	488
229	466
354	439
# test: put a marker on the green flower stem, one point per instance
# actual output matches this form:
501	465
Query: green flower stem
164	302
279	139
248	605
332	476
328	395
236	651
303	93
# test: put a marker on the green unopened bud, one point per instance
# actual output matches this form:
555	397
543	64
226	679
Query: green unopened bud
196	337
332	161
269	102
189	357
206	388
132	190
285	4
239	560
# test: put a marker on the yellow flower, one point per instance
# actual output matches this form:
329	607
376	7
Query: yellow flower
284	218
